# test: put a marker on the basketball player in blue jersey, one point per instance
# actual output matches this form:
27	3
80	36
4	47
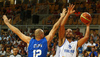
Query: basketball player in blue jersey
36	47
66	47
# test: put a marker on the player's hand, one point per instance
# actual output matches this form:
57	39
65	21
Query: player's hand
63	12
70	9
88	24
6	19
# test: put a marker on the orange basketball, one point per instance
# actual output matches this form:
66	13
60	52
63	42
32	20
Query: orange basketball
85	17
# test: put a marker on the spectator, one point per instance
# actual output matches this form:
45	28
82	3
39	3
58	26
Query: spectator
26	49
9	11
30	33
85	46
94	36
77	13
86	55
99	34
15	53
11	36
18	41
98	38
0	39
80	51
8	53
23	53
12	48
5	37
53	53
19	49
49	21
2	52
93	52
77	31
91	38
49	52
22	44
8	42
26	31
99	52
98	48
97	43
92	55
78	38
81	35
16	44
91	44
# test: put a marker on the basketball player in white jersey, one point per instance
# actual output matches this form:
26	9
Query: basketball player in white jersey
66	47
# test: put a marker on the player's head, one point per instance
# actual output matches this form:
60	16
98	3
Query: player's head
39	33
69	33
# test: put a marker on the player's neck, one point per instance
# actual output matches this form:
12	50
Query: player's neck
69	40
38	39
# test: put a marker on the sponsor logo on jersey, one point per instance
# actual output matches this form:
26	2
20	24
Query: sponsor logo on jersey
37	45
69	46
69	51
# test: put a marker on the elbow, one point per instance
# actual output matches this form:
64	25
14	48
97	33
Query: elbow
86	37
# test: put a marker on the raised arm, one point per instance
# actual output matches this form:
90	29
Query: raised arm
51	34
15	30
85	38
62	28
70	11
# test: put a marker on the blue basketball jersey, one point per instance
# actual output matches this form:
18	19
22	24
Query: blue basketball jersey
37	48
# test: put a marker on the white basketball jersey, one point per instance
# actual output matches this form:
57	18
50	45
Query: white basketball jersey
67	49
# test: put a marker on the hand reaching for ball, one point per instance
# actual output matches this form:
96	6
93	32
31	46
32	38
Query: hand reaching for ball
86	18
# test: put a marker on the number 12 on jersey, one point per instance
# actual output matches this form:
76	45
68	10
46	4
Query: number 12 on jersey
37	53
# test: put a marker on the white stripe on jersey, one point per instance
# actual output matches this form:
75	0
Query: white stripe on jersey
67	49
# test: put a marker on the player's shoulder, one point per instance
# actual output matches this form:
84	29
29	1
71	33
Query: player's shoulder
74	41
32	39
44	38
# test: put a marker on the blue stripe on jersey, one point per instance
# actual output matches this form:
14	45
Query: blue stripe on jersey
37	48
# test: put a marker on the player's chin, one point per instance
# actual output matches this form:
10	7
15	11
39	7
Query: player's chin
68	36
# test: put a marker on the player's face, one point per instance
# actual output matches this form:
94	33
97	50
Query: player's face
42	35
69	33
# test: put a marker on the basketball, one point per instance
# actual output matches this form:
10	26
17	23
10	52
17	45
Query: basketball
85	17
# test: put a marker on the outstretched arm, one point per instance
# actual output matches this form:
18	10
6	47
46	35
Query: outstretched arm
50	36
85	38
15	30
62	28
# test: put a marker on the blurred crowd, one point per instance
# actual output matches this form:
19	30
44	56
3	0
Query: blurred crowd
12	45
22	12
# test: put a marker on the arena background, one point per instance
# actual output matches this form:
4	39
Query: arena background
27	15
